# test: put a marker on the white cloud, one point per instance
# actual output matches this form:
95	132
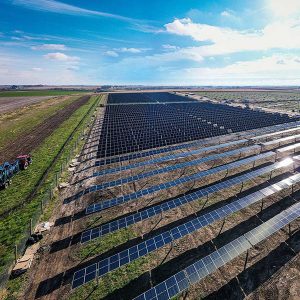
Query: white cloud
63	8
111	53
275	67
226	13
59	47
130	50
280	35
170	47
61	57
283	8
14	69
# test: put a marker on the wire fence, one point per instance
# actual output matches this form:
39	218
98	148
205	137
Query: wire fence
44	191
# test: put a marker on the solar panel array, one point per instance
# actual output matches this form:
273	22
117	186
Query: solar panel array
169	157
247	151
133	196
168	205
207	265
270	132
135	123
131	128
156	97
126	256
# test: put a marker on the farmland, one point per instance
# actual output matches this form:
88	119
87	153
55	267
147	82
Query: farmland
49	126
130	221
39	93
274	100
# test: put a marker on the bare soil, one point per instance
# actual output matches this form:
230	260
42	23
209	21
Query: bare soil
8	104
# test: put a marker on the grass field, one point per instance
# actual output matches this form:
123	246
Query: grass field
280	100
13	124
12	228
39	93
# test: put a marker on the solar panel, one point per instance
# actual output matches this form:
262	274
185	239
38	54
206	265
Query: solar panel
294	147
158	209
247	151
126	256
133	128
207	265
151	152
288	139
202	174
167	158
268	135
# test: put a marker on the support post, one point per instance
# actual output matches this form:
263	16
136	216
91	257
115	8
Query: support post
205	202
246	259
222	226
262	204
242	186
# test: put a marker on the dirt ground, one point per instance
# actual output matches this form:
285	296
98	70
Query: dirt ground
35	137
8	104
272	270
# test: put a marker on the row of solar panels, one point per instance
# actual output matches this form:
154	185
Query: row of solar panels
269	145
182	180
151	152
246	151
179	201
160	97
158	241
182	280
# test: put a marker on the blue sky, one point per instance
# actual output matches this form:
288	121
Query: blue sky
171	42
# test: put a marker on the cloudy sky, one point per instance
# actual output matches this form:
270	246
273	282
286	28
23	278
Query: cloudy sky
180	42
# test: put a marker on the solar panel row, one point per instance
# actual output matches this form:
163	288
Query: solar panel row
182	280
169	157
202	174
282	141
126	256
151	152
158	97
246	151
158	209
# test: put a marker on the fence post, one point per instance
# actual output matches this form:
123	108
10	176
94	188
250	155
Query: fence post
16	253
56	179
31	226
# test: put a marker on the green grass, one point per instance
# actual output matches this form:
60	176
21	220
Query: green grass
13	124
13	227
112	281
32	93
14	287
